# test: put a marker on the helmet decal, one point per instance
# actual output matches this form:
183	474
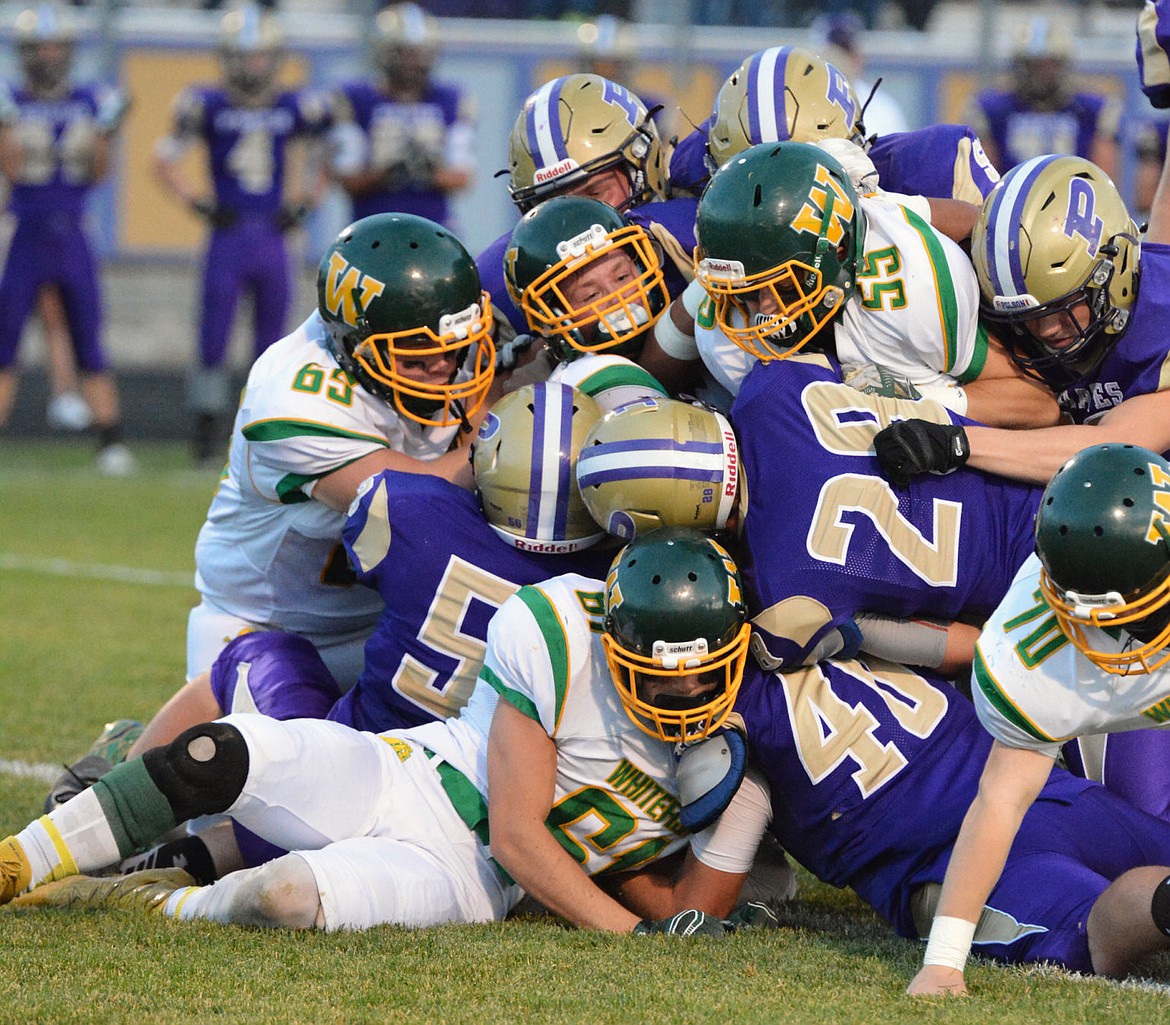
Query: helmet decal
1160	480
342	280
830	215
1080	219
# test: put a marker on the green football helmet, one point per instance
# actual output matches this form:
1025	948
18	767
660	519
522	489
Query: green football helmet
577	126
780	238
660	462
399	293
525	460
1104	547
586	278
1052	235
674	608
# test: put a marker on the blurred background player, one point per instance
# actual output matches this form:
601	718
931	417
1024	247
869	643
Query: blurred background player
246	124
1041	111
55	140
404	141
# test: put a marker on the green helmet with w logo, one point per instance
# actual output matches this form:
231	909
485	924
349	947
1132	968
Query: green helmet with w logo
395	291
780	223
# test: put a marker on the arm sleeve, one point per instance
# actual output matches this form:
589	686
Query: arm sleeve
729	844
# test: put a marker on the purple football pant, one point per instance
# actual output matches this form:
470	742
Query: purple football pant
52	250
250	256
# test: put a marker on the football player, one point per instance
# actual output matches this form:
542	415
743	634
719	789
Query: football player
408	840
55	141
789	257
1077	647
589	136
245	125
1042	111
588	279
841	563
1085	310
403	141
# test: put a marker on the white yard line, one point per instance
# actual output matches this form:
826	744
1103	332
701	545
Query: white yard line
43	771
96	571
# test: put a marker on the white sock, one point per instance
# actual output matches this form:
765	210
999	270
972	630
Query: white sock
74	838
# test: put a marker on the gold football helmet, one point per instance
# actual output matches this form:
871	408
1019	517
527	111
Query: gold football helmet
525	460
1055	233
778	94
251	49
44	41
576	126
660	463
406	41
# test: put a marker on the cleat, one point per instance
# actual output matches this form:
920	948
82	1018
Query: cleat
107	751
147	890
15	871
116	461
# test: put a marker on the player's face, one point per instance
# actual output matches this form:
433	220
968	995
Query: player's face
428	367
1059	330
603	284
45	63
611	186
676	692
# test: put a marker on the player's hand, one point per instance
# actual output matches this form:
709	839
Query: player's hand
908	448
751	914
685	923
863	176
291	215
214	214
934	980
1153	52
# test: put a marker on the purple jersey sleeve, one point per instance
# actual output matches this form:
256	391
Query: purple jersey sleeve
824	526
923	162
425	546
1138	364
490	264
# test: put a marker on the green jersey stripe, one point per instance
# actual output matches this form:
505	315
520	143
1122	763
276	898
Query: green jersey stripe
278	430
553	631
1002	703
521	701
948	306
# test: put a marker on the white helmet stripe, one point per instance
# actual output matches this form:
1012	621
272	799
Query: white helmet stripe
765	84
544	128
1005	230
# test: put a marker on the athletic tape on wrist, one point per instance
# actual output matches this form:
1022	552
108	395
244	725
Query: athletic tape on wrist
950	942
673	340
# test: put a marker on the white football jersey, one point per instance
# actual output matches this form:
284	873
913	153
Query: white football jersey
1034	689
616	801
267	552
915	310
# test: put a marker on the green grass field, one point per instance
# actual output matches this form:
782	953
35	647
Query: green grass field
94	592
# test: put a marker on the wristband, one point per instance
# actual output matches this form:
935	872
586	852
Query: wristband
949	943
673	341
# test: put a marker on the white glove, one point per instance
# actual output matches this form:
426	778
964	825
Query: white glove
862	173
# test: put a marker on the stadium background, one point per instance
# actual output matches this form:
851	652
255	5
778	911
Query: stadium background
150	245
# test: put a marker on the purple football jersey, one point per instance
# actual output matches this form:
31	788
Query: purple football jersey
1136	365
1020	133
247	145
827	536
872	767
443	572
416	132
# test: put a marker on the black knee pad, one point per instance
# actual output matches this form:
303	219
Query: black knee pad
1160	907
202	771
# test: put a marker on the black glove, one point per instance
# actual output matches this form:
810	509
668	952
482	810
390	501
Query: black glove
685	923
291	215
214	214
751	914
908	448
